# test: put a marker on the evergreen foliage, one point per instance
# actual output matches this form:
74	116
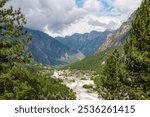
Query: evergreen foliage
12	48
16	80
12	51
137	53
128	76
111	83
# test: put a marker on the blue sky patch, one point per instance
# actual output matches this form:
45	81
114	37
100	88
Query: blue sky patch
105	3
79	3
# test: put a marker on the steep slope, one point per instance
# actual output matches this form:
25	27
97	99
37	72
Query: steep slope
114	40
87	43
92	63
47	50
119	36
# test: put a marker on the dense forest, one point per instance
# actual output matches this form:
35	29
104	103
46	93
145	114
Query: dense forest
19	78
127	76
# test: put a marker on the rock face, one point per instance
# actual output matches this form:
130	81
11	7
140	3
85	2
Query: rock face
57	51
87	43
47	50
114	40
118	37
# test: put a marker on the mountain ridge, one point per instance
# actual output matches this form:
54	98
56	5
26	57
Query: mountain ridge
47	50
119	36
96	61
87	43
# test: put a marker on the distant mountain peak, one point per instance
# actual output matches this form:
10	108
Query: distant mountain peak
87	43
47	50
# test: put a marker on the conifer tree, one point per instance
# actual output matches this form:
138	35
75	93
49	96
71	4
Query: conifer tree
137	53
128	77
15	82
12	48
112	76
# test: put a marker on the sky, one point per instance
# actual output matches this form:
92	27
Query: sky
66	17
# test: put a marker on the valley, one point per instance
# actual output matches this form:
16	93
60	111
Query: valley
94	61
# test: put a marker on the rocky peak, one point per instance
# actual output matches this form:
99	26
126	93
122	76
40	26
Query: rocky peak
119	36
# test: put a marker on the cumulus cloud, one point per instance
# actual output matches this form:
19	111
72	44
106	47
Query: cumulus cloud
111	24
126	6
64	17
92	6
57	14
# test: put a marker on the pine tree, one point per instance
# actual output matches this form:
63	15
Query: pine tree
137	53
110	84
12	48
15	81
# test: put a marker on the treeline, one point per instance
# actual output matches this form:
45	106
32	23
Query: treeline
127	76
16	80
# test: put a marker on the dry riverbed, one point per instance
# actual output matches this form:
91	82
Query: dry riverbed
79	83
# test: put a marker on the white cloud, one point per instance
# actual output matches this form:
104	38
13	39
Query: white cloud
57	14
126	6
92	6
63	17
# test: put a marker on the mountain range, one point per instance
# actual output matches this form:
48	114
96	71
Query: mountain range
64	50
87	43
47	50
113	40
70	49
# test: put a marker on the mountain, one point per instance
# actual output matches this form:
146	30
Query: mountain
114	40
119	36
87	43
47	50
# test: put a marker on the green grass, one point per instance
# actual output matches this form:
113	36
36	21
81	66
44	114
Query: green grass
94	62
